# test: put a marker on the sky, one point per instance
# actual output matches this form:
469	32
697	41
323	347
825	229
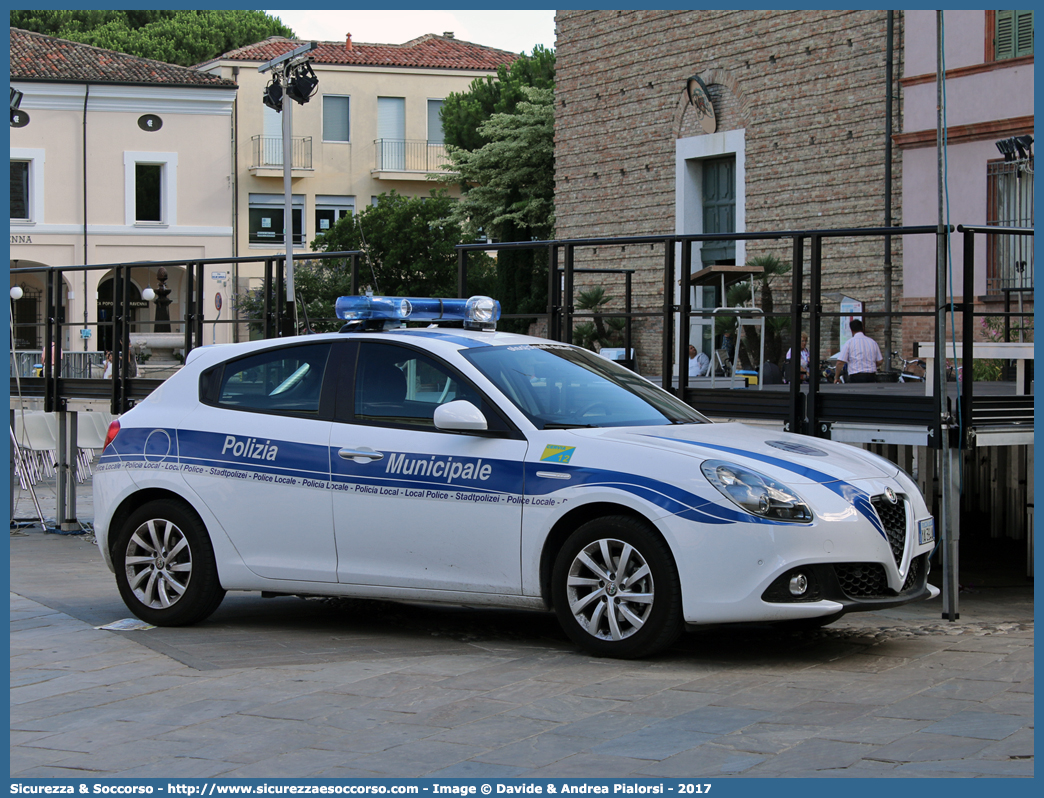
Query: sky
516	31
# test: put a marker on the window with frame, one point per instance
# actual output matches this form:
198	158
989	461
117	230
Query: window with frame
150	186
435	131
336	118
331	209
285	380
148	192
1009	203
1012	33
20	207
265	219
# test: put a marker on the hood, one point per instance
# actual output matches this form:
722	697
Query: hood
797	459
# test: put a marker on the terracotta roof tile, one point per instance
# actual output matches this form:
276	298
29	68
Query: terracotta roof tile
46	58
428	51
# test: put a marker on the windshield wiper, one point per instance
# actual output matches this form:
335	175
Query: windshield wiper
554	425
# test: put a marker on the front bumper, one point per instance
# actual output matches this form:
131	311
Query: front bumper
856	587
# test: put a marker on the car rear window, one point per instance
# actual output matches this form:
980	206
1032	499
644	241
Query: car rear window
284	380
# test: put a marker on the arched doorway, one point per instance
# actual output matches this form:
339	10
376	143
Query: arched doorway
105	310
29	313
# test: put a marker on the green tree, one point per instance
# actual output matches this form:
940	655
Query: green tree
601	331
508	193
408	246
175	37
464	113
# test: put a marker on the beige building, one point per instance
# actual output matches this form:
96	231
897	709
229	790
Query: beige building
114	159
372	126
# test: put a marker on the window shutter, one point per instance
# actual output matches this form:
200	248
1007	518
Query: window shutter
335	118
435	133
1023	33
1004	40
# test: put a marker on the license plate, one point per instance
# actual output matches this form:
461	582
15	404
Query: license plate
926	531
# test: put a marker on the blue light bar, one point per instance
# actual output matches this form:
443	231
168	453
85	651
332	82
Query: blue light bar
477	311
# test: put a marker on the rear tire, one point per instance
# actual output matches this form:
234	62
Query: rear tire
615	589
165	565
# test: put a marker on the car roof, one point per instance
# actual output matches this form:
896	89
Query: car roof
445	339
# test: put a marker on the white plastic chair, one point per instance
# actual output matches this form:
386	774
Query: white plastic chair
33	432
89	438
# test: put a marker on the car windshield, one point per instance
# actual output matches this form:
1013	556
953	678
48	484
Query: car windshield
561	387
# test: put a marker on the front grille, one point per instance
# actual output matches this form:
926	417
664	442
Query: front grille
893	516
863	580
867	580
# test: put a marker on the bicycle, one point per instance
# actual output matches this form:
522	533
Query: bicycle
905	375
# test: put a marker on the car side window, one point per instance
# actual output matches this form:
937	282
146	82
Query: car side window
398	385
284	380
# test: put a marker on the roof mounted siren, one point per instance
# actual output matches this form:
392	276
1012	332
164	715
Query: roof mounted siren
364	313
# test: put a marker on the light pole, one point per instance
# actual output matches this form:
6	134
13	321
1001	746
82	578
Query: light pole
292	77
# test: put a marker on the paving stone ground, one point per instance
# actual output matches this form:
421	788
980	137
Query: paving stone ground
341	688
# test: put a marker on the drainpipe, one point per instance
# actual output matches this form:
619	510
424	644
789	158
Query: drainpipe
888	184
235	208
86	94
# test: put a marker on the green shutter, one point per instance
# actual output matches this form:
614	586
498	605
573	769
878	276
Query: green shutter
1023	33
1004	38
1013	37
719	208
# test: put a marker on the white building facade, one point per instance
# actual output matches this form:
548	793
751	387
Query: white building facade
114	159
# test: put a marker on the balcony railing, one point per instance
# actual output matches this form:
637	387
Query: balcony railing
268	152
404	155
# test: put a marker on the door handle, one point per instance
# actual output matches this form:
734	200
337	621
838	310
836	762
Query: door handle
363	455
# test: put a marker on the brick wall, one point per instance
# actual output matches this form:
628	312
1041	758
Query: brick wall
806	87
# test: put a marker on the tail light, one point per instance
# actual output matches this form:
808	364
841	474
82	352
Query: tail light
110	436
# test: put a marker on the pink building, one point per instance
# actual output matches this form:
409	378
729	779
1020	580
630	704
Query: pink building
988	99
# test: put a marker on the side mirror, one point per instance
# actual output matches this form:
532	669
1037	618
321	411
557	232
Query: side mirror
461	416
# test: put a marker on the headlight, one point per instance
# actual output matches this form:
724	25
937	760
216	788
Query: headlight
756	493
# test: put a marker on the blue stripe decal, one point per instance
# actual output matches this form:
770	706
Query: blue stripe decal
666	496
226	455
859	499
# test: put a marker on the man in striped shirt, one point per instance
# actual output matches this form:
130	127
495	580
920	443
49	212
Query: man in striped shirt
862	355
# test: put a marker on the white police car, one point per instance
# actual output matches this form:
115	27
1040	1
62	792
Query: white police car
474	467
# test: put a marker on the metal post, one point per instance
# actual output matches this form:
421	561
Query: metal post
355	274
815	310
61	471
627	327
967	336
125	341
684	310
796	305
666	365
949	529
117	336
200	309
269	292
189	307
48	354
554	296
889	17
67	511
462	273
288	199
567	296
277	331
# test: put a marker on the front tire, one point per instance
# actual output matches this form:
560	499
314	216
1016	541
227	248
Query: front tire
615	589
165	566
